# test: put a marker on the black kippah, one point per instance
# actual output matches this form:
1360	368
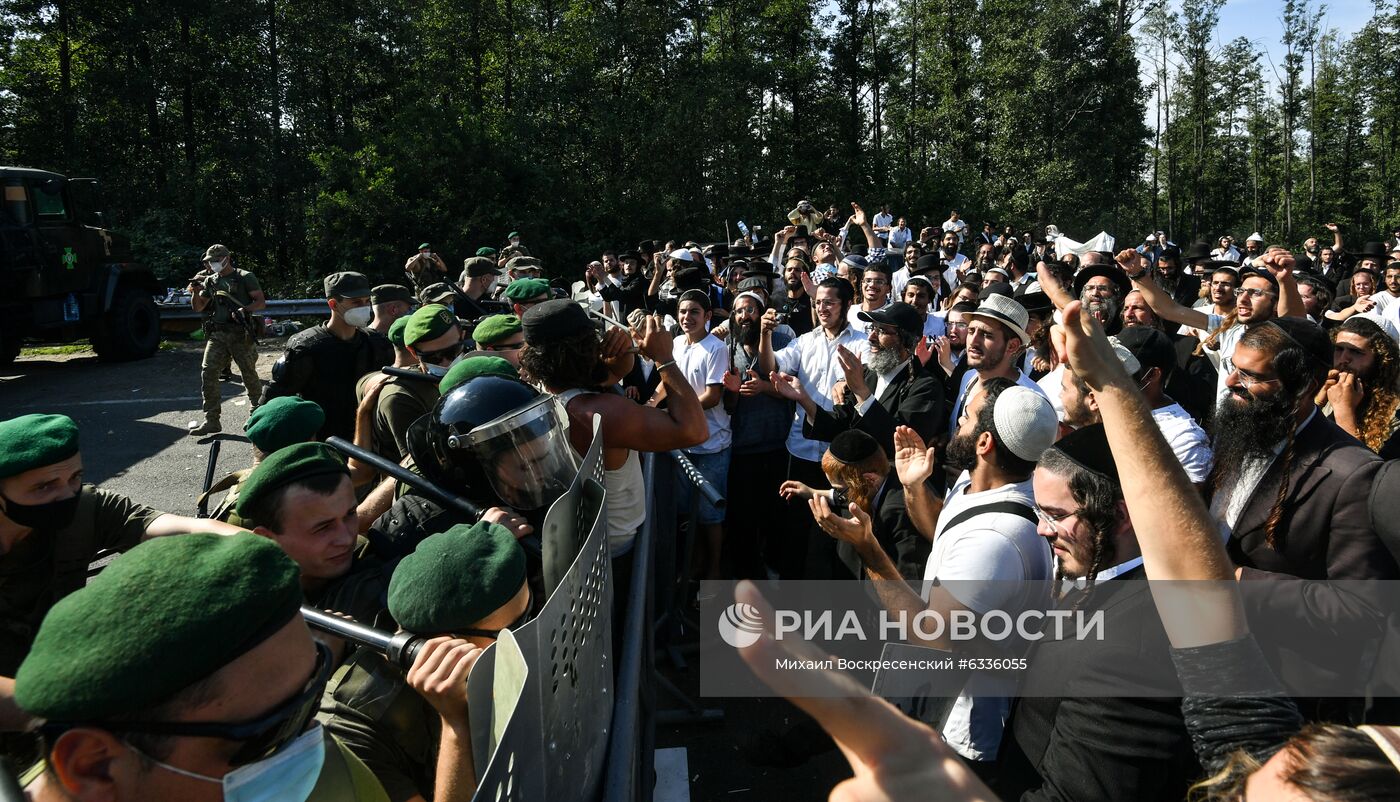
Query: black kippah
852	446
553	320
1089	448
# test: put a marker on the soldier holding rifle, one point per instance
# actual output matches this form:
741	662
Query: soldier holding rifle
229	298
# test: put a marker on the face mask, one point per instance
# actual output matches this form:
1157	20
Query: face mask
441	370
359	317
289	775
46	517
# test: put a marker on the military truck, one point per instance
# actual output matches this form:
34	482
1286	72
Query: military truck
63	276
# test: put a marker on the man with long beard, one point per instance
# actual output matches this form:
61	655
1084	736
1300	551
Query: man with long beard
1101	289
1292	488
1184	289
891	389
1360	393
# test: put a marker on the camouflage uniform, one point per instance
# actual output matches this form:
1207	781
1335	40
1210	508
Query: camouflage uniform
227	339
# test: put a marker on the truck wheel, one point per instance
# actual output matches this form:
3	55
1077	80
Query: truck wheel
9	348
131	328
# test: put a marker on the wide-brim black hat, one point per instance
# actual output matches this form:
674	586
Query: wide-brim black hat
1372	250
1197	251
1118	277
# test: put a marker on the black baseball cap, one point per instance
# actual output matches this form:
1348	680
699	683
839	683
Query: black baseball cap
346	285
898	314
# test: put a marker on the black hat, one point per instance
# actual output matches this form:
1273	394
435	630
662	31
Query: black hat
647	247
1372	250
740	251
1035	302
853	446
800	232
927	262
1198	251
387	293
995	288
1088	447
1152	348
898	314
719	249
753	283
346	285
859	250
553	320
1255	272
1120	280
759	267
631	255
689	278
1214	265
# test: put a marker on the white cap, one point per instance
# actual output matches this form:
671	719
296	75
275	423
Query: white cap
1386	324
1254	238
1025	421
1130	362
681	254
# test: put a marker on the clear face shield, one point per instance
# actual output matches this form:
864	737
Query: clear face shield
526	454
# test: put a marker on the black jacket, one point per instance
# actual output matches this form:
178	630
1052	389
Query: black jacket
914	399
896	534
1070	739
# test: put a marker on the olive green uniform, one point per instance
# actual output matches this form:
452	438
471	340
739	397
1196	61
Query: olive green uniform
47	565
370	708
401	402
226	338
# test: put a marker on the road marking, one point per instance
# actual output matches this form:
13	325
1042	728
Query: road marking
672	775
57	403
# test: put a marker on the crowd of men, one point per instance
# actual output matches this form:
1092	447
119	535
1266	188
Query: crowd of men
919	409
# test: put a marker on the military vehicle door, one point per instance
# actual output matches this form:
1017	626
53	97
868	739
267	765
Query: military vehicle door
19	245
69	253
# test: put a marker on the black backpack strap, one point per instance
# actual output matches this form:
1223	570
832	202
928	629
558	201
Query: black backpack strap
1008	507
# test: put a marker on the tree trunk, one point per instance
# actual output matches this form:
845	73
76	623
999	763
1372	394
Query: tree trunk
65	82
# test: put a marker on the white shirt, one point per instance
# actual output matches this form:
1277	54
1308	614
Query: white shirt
958	226
705	363
1229	338
861	325
935	325
1011	567
881	220
812	359
1050	385
966	393
899	238
1187	439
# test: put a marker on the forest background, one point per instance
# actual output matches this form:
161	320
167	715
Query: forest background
319	135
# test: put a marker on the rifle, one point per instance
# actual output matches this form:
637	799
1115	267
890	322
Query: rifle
205	280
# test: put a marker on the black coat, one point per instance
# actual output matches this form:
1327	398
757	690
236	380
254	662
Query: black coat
914	399
895	533
1086	746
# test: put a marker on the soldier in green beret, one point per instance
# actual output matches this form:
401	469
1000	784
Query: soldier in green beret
474	366
459	588
323	363
524	293
501	335
273	426
301	498
390	302
389	404
55	531
185	672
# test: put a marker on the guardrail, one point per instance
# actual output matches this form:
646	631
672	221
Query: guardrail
178	308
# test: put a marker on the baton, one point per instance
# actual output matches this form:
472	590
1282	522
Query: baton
696	478
401	648
209	467
409	374
430	489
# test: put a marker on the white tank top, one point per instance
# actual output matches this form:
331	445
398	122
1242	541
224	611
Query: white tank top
627	503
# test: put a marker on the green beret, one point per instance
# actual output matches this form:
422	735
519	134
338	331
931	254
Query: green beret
485	251
454	579
525	289
428	323
495	327
283	467
283	421
162	617
474	366
33	441
396	330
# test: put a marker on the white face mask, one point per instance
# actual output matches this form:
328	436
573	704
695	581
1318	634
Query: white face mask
359	317
216	265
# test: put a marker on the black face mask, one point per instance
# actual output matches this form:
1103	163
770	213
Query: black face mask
47	517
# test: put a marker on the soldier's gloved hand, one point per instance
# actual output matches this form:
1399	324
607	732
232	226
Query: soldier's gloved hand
439	675
517	524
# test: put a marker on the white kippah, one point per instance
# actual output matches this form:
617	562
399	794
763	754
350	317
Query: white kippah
1130	362
1025	421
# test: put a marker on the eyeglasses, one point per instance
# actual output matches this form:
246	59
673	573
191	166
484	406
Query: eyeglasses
875	282
441	355
1053	521
1248	380
1100	289
1253	292
261	737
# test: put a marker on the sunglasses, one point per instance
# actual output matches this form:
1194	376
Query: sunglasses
441	355
261	737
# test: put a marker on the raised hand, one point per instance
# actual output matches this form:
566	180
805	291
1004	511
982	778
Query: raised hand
857	215
769	321
1086	348
654	340
788	386
854	370
913	459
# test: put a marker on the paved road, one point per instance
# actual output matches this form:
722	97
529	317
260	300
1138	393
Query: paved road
133	418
